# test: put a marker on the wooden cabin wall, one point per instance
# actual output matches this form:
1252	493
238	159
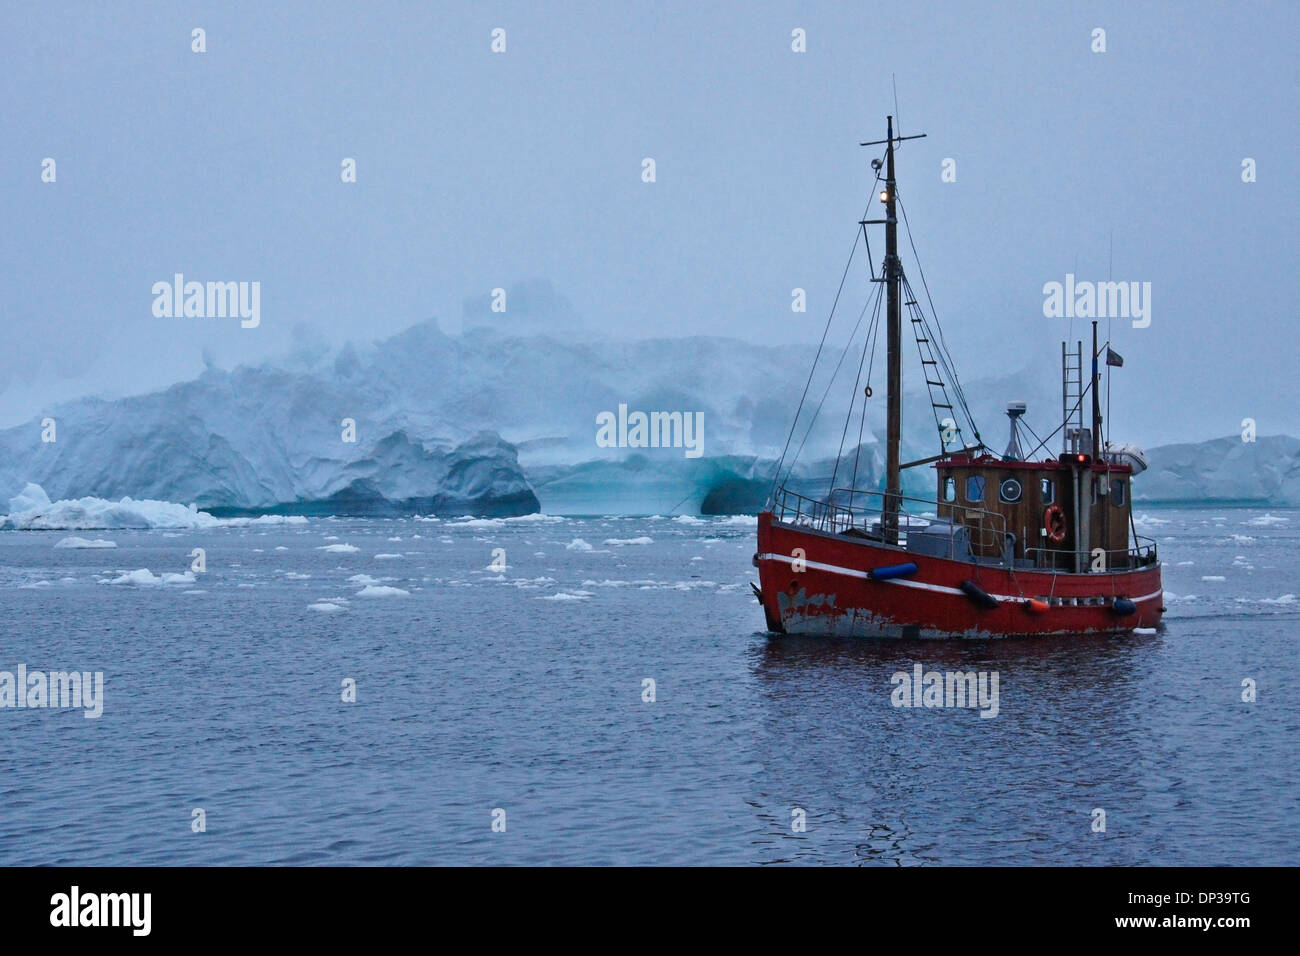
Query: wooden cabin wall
1023	518
1108	527
1110	522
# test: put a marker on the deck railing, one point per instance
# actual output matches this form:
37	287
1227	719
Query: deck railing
1142	554
849	508
864	510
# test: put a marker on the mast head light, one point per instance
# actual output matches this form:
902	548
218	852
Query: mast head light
884	195
875	164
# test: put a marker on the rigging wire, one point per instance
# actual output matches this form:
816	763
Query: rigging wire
853	400
943	344
862	422
860	233
835	374
826	331
1044	441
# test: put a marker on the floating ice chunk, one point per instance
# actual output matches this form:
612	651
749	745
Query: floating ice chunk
1284	599
339	548
324	606
143	577
620	542
688	519
577	544
381	590
33	511
363	579
387	557
1262	521
1213	577
1148	521
1144	630
262	520
31	498
567	596
85	543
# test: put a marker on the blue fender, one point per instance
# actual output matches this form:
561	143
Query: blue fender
892	571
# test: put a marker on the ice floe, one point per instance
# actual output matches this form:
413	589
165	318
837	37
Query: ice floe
381	590
143	577
85	543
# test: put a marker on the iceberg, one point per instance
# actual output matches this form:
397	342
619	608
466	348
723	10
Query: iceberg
497	424
32	510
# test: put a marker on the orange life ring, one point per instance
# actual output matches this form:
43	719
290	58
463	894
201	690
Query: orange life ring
1054	522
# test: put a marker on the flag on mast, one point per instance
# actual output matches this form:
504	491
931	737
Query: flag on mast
1113	357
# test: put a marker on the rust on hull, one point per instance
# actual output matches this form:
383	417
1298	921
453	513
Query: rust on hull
813	582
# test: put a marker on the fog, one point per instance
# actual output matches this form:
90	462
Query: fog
478	170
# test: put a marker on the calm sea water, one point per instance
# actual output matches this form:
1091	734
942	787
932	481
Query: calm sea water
523	690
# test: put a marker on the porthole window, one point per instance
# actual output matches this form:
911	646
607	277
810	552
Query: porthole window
950	489
975	488
1047	490
1117	488
1010	490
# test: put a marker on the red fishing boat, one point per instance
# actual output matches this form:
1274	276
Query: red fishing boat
1009	545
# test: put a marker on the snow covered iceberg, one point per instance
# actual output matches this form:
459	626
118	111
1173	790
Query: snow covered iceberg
32	510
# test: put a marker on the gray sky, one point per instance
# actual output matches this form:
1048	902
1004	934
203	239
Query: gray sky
478	170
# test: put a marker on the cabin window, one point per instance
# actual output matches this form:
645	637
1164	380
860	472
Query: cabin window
1010	490
1047	490
1117	492
975	488
950	489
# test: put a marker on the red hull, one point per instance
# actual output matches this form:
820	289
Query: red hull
830	593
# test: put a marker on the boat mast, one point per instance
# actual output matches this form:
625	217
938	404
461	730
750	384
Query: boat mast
1096	400
892	276
894	317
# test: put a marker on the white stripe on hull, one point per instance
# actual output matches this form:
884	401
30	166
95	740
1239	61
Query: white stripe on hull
920	585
